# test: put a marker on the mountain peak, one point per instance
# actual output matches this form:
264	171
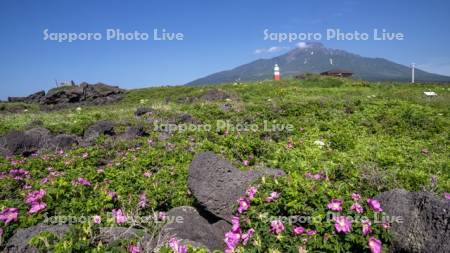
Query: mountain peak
314	57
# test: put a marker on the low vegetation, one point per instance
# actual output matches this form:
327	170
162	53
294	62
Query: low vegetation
347	137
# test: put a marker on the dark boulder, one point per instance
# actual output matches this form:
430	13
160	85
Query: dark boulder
13	107
190	227
63	141
63	95
26	142
18	243
226	107
214	95
108	235
4	152
133	132
425	225
217	185
17	99
34	124
186	119
86	94
143	111
105	127
35	97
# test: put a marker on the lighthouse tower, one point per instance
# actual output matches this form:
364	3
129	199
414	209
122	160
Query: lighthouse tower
276	73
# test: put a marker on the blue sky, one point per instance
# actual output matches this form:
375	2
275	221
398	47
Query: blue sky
218	35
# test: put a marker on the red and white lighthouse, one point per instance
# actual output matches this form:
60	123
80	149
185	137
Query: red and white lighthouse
276	73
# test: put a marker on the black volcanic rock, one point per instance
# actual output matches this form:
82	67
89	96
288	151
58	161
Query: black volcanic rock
26	142
18	243
213	95
105	127
425	225
33	98
217	185
190	227
84	93
143	111
64	141
64	96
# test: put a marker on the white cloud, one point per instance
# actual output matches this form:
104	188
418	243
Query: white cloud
270	50
302	45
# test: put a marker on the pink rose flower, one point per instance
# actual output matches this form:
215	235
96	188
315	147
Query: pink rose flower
335	205
311	232
366	229
81	181
236	226
162	216
273	196
37	207
343	224
375	205
276	227
374	245
446	195
35	196
133	249
244	204
119	216
176	246
247	236
9	215
232	239
142	200
356	196
297	230
112	195
357	208
251	192
97	219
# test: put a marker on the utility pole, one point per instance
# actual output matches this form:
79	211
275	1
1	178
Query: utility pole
413	66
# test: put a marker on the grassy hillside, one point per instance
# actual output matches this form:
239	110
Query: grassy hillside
375	137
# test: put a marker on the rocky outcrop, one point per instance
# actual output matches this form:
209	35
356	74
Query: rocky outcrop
33	98
33	140
143	111
214	95
189	226
83	94
64	141
18	243
185	118
25	142
132	132
36	139
425	225
105	127
217	185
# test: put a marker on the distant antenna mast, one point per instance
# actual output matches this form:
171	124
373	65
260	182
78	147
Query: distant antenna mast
413	66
